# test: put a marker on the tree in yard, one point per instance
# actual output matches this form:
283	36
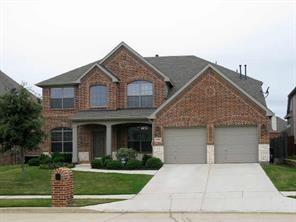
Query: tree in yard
20	123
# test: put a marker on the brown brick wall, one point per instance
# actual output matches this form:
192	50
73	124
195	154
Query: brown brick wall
62	190
209	102
128	68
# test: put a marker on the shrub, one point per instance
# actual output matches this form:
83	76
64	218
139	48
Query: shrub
69	165
133	164
58	157
67	157
114	165
96	164
34	162
154	163
126	153
105	160
45	159
145	158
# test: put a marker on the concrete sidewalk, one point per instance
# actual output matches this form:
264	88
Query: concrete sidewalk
123	196
206	188
87	168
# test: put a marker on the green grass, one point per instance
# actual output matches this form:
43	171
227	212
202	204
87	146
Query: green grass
47	202
282	176
37	181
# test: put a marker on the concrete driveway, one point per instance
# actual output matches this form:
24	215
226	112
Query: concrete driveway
206	188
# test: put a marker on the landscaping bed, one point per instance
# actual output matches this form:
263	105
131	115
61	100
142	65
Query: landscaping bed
47	202
282	176
37	182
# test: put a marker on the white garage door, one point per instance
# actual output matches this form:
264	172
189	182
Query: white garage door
236	145
185	145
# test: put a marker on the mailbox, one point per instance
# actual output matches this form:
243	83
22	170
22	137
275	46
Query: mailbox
61	187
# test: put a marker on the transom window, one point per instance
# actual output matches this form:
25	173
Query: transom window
98	96
139	94
139	138
62	98
61	140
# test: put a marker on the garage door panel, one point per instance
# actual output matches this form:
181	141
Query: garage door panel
236	145
185	145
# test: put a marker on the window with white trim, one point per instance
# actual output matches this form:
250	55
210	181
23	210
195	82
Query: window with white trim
98	96
61	98
61	140
139	94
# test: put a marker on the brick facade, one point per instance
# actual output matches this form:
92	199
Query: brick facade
211	102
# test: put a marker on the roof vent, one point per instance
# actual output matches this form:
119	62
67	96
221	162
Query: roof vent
240	71
245	71
156	55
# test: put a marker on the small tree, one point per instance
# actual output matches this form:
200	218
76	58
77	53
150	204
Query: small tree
20	123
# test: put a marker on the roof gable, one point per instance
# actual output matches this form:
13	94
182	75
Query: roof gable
153	115
123	44
105	71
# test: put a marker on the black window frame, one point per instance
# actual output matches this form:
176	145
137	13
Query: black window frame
142	143
139	97
63	100
62	131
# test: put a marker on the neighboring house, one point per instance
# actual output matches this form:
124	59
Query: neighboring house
277	126
291	119
182	109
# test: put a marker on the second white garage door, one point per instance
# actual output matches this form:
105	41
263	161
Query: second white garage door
185	145
236	145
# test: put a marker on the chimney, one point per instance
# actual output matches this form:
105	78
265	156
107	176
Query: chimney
240	71
156	55
245	71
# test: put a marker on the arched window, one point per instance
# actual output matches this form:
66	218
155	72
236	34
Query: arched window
61	140
98	96
139	94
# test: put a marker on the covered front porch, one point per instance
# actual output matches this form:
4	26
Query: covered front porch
97	138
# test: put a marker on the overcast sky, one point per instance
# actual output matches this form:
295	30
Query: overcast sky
40	39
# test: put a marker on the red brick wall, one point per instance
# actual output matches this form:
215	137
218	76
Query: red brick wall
96	77
210	101
62	190
128	68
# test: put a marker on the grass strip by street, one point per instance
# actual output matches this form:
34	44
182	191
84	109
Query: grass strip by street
37	182
47	202
282	176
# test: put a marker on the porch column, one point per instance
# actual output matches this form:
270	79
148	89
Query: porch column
75	144
108	139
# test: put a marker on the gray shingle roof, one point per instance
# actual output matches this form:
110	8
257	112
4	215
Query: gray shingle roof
121	114
6	83
180	69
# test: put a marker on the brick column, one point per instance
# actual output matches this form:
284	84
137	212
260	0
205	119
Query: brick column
61	187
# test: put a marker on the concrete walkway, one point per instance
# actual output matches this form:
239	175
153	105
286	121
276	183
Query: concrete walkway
206	188
87	168
75	196
289	193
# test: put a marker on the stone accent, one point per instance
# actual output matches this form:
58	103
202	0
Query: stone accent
158	151
210	154
263	155
83	156
61	187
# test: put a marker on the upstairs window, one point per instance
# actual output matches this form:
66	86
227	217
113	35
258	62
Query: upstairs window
139	94
98	96
61	140
61	98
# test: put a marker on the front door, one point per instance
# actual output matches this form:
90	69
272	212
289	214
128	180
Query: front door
98	144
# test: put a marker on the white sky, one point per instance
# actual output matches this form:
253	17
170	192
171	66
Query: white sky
40	39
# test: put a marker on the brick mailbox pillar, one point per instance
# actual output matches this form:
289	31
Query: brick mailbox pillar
61	187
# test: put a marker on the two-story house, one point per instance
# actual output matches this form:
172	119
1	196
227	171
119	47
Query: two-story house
182	109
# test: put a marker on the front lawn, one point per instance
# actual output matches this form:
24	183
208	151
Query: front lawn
37	181
47	202
282	176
